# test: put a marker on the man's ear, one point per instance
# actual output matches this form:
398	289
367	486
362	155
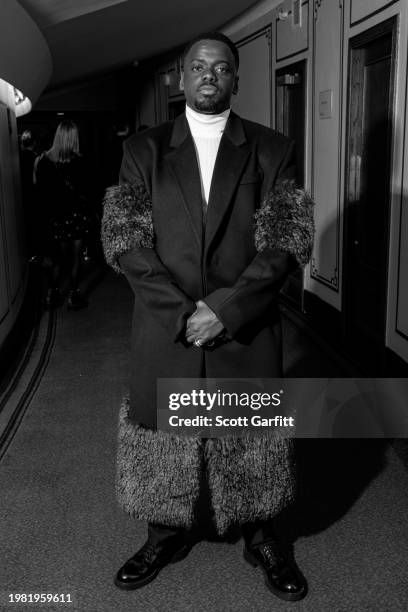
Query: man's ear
181	84
235	88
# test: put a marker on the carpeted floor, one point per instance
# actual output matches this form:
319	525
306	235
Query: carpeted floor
62	531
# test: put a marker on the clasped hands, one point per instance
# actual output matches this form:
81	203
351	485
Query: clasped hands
203	325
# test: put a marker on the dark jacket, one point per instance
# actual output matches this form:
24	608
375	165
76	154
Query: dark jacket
215	259
235	259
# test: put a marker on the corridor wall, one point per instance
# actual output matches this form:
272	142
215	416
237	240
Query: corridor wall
25	63
12	259
321	39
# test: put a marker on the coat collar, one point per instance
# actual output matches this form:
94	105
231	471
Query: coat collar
232	155
233	129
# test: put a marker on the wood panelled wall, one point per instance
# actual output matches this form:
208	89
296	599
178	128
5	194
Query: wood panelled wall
269	41
327	57
322	41
254	98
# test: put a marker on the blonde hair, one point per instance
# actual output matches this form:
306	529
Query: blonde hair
66	143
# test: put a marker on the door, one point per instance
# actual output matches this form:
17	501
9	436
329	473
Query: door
368	164
290	120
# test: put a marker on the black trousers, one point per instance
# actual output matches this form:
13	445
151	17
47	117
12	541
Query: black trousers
253	533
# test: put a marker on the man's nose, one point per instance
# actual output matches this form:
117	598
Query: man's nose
209	75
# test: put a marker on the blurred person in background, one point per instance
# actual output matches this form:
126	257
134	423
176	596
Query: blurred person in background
61	179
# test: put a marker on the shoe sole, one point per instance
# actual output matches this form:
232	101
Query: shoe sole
178	556
249	558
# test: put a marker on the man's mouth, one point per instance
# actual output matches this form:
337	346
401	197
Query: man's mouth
208	89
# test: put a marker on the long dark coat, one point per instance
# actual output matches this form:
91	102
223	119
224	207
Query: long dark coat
235	257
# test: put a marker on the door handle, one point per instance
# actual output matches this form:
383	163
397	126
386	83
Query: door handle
358	177
352	178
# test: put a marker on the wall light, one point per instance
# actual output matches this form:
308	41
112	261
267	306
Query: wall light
22	103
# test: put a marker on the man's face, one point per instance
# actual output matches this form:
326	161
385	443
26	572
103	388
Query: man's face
210	77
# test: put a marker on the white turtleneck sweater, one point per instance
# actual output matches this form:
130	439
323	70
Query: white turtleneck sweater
206	131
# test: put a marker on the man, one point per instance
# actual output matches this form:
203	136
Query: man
181	227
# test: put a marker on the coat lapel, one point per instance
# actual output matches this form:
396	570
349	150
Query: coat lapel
182	161
229	165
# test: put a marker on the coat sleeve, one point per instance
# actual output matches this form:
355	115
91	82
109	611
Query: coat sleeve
128	242
284	232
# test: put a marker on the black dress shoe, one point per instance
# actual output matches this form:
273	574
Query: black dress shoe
281	576
144	566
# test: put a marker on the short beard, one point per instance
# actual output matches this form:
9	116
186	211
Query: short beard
209	106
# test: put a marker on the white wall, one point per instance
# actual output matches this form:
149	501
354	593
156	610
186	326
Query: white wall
323	43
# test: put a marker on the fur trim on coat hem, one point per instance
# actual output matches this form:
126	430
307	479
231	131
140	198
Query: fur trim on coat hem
127	221
285	221
158	474
251	478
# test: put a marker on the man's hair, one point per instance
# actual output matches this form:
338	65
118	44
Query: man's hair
213	36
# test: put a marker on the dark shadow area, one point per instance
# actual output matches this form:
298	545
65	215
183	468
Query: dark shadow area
95	275
205	529
14	346
93	272
305	357
400	446
331	474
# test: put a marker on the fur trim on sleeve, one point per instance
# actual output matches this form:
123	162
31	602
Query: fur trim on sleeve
285	221
127	221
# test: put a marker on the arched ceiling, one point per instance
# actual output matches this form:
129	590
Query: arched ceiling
90	37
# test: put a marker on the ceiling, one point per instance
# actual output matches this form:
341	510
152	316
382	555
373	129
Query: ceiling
90	37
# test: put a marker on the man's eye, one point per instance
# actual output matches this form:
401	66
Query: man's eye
196	68
222	69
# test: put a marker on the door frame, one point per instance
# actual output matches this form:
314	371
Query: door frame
296	280
391	26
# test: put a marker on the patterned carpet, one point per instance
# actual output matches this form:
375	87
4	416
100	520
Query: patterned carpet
62	532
